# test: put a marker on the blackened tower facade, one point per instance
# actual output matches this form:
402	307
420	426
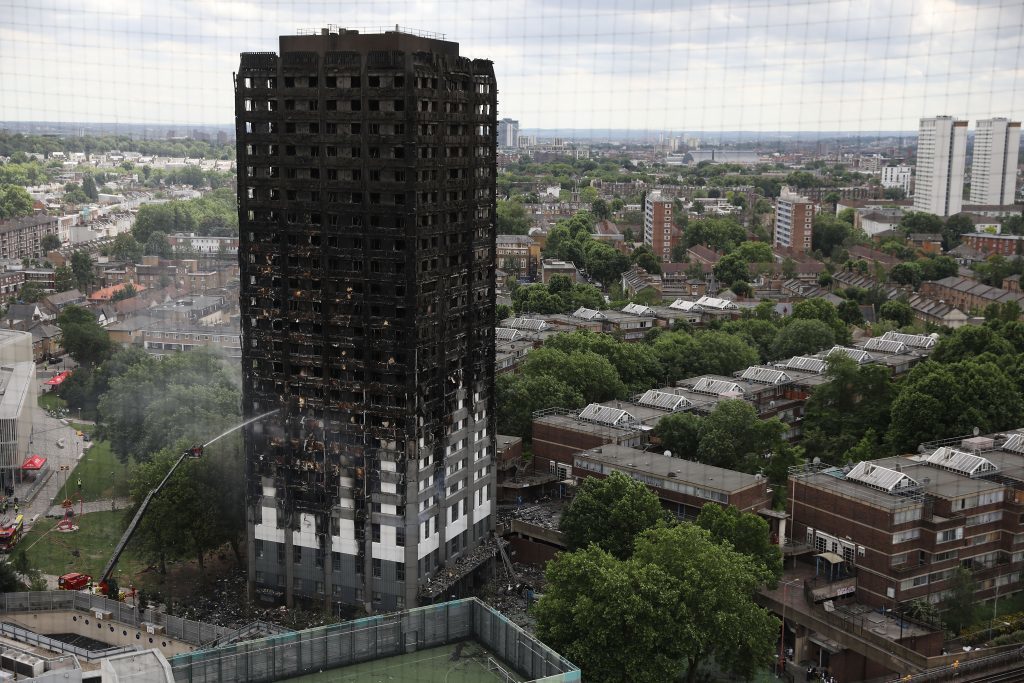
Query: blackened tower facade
366	196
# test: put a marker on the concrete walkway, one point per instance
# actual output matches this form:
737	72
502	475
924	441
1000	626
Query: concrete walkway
94	506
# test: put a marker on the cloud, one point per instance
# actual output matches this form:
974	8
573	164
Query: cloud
654	64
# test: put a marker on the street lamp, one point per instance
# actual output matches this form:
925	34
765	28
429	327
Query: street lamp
113	491
782	636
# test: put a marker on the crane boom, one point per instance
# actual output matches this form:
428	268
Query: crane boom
195	451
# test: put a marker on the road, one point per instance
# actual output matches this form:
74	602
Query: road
46	432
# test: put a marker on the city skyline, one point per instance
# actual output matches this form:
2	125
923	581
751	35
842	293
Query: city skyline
770	66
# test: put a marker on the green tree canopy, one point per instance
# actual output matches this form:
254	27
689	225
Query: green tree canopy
49	242
512	218
746	532
715	604
898	311
83	337
15	202
720	234
609	513
802	336
755	252
519	395
854	401
594	603
731	268
820	309
940	400
126	248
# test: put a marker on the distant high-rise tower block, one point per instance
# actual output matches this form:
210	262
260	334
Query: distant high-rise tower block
941	155
994	169
794	221
367	244
508	133
660	234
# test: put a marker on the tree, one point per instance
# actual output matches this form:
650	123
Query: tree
49	242
154	402
158	245
961	606
820	309
126	248
512	218
599	208
605	262
970	342
645	258
899	312
829	232
895	193
955	226
191	516
733	437
9	581
849	313
89	188
920	222
63	278
746	532
941	400
715	605
755	252
854	401
789	268
593	604
83	337
81	267
679	433
906	274
721	234
731	268
591	374
609	513
518	396
31	292
802	336
15	202
126	292
502	312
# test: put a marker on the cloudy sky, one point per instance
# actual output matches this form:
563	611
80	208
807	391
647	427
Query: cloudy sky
680	65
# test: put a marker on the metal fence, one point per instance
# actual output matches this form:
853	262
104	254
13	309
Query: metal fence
24	635
186	630
329	647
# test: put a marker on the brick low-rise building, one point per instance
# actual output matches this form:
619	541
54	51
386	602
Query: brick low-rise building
907	524
989	244
683	486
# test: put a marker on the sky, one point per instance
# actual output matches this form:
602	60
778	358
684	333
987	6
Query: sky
675	65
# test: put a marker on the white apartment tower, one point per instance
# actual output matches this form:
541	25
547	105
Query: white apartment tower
897	176
941	155
994	170
508	133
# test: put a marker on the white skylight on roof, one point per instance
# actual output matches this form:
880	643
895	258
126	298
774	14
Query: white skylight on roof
683	305
883	478
961	462
606	415
716	387
762	375
918	341
664	400
805	363
856	355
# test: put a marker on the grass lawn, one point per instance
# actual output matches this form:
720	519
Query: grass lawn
51	552
50	401
102	474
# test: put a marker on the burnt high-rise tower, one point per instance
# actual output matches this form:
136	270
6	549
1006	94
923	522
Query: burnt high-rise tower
366	168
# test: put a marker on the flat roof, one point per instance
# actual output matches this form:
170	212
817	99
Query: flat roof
658	464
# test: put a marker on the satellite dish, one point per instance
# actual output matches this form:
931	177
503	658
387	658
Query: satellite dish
758	477
771	404
975	431
668	454
920	448
817	460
